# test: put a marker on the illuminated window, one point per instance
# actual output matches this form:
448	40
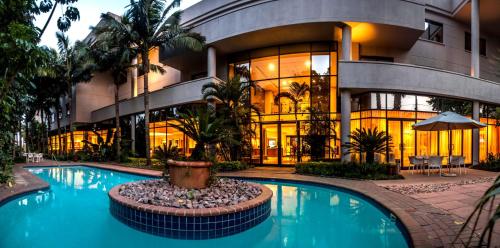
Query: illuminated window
433	31
264	68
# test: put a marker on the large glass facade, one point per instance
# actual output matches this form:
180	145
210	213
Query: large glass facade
285	112
395	113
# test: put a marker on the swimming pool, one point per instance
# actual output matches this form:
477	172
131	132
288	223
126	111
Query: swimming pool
75	213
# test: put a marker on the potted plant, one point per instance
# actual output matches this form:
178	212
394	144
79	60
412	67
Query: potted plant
206	130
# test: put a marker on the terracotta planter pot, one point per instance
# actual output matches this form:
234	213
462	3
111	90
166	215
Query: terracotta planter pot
189	174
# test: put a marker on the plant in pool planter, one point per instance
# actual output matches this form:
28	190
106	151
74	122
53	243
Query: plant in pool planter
165	153
207	131
368	141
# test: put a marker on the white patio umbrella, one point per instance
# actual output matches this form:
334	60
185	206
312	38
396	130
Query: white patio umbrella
447	121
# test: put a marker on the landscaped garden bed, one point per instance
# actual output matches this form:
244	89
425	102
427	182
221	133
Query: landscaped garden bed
348	170
221	193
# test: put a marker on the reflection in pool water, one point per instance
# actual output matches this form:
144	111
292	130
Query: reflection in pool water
74	213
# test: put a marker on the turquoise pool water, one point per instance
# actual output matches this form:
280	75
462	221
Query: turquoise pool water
74	213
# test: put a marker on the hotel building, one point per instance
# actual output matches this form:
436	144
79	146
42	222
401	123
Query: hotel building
385	64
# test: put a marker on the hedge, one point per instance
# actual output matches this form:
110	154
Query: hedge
346	170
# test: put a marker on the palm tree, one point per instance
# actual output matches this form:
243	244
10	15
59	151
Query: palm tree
113	54
77	66
204	128
235	109
296	94
368	141
146	25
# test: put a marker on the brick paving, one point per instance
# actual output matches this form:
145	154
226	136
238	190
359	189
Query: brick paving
430	222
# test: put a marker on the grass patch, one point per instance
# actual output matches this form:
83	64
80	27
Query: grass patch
348	170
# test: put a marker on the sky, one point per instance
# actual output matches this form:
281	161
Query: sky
90	12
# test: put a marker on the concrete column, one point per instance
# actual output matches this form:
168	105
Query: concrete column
133	79
346	43
345	96
475	134
474	70
474	30
345	122
211	62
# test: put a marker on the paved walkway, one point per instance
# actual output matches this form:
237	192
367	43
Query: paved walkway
458	200
431	223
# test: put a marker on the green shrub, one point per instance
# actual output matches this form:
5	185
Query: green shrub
492	163
225	166
347	170
156	164
19	159
6	174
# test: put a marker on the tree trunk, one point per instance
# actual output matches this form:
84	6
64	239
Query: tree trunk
59	131
118	134
47	133
48	20
70	119
41	134
145	63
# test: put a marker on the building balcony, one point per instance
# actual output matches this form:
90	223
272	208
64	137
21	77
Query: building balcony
176	94
361	76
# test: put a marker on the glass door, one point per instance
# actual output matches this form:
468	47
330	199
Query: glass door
403	141
270	144
289	143
394	130
408	142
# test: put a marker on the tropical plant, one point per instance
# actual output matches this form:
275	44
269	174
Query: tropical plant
113	54
148	25
166	152
320	129
76	66
235	108
205	129
480	212
71	13
102	150
368	141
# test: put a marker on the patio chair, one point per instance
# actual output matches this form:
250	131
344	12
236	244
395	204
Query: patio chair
30	157
458	161
413	163
435	162
419	163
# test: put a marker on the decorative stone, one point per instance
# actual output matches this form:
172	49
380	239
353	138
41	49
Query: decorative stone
158	208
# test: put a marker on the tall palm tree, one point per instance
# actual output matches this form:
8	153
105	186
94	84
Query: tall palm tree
147	25
77	66
236	108
296	95
115	55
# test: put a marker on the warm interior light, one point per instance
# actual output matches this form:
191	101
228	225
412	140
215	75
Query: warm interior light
307	63
271	66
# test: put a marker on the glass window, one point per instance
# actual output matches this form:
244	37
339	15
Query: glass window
333	63
424	103
320	64
294	89
263	96
433	31
398	101
264	68
293	65
482	44
320	89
